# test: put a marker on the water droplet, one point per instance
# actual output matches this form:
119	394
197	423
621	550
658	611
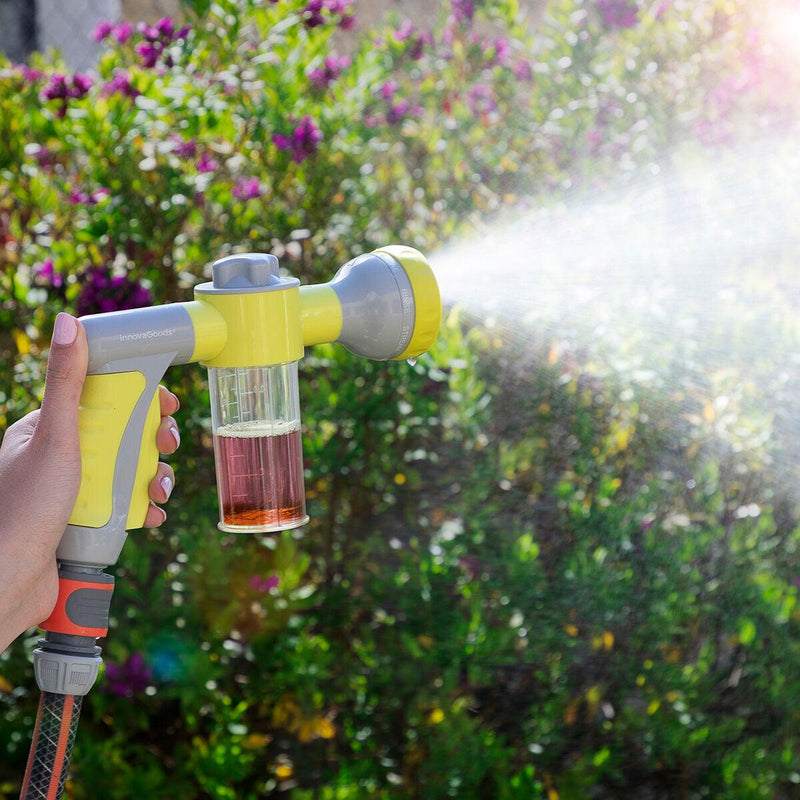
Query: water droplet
412	362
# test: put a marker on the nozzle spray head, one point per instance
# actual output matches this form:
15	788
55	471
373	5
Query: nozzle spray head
391	307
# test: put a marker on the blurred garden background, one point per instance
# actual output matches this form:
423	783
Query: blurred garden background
557	557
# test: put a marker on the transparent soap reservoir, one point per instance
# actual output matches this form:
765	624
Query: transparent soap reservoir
255	416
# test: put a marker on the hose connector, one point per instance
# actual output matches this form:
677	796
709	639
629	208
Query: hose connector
65	673
68	660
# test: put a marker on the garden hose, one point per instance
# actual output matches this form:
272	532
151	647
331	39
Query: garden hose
51	748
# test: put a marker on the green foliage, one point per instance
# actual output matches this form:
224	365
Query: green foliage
529	572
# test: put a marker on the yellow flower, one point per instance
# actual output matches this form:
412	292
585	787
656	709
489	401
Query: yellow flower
436	716
325	728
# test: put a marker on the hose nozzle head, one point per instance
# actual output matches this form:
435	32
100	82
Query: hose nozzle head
391	307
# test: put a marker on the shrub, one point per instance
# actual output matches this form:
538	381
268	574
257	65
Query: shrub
501	592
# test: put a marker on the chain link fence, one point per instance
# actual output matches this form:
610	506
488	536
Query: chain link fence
67	25
17	28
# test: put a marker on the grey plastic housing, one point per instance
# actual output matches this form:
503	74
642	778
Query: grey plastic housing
64	673
378	309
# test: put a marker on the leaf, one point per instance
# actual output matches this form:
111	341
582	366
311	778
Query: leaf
747	632
526	549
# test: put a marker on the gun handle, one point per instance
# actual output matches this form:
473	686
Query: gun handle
118	452
119	416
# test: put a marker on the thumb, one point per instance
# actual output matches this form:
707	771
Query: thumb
66	371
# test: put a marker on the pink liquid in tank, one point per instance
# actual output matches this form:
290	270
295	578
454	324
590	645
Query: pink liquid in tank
260	475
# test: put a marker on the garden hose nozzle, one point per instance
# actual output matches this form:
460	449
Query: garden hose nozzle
249	326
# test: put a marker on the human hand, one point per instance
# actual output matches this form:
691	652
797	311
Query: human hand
40	475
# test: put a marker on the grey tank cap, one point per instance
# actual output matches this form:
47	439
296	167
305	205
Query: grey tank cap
246	272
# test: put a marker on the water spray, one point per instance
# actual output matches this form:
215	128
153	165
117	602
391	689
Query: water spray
249	326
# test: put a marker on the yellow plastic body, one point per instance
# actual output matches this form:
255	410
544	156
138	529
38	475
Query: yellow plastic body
263	328
107	403
320	313
210	330
427	300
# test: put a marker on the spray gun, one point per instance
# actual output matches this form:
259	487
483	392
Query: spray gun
249	326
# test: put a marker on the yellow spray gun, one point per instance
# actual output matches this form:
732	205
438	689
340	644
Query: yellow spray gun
249	326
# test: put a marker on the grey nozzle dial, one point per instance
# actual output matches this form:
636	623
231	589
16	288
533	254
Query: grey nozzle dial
246	272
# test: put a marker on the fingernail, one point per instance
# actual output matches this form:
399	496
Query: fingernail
166	485
175	435
161	511
65	330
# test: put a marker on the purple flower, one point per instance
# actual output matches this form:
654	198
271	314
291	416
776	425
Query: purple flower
499	51
340	7
523	70
128	679
64	88
618	13
46	274
149	53
123	32
481	98
397	111
157	38
105	30
312	14
44	157
166	27
344	10
79	198
303	141
101	291
331	69
80	85
57	88
206	163
121	84
28	73
150	32
102	31
416	40
405	31
264	585
247	189
387	90
184	148
463	10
